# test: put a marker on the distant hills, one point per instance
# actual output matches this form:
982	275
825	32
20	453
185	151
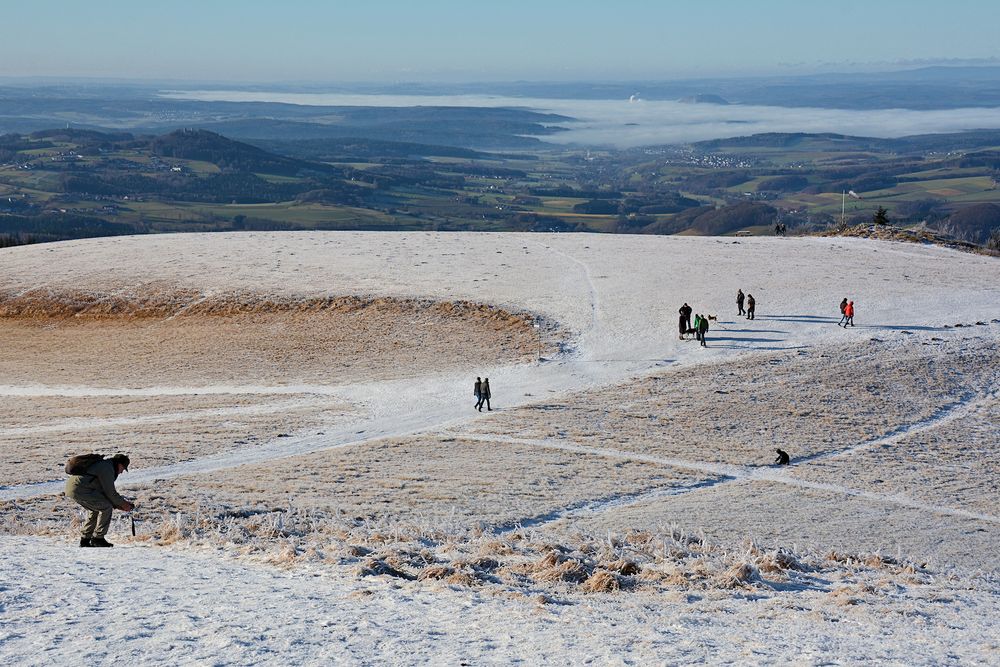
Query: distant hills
75	182
939	87
841	142
703	98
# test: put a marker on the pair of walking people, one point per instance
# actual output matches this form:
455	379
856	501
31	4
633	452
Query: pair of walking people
846	313
751	304
481	391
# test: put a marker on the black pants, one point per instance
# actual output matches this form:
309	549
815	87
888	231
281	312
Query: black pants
484	399
739	304
750	314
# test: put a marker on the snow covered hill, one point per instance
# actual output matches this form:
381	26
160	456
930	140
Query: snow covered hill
314	483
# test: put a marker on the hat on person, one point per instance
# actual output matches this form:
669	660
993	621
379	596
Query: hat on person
120	459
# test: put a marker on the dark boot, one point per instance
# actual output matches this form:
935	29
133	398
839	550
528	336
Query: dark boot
84	541
100	542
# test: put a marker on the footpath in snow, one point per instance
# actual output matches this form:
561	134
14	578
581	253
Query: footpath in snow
617	295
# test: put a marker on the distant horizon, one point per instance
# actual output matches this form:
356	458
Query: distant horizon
834	69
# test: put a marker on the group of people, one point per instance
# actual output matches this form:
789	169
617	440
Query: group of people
93	485
685	327
751	304
701	322
481	391
846	313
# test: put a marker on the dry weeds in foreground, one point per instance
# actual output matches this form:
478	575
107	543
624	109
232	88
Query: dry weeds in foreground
528	564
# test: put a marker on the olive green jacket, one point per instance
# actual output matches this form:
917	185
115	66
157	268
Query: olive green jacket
98	483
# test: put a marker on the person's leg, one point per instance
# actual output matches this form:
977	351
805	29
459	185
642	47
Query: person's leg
103	523
488	408
99	518
89	525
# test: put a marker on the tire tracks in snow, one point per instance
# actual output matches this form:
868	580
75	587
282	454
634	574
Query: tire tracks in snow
83	391
93	423
601	505
725	473
591	288
967	405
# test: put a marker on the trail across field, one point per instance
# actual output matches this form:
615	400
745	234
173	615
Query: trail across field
322	460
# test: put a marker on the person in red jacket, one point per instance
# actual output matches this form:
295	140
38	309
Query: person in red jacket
849	314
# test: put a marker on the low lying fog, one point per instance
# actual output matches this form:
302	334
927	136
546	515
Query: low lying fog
637	122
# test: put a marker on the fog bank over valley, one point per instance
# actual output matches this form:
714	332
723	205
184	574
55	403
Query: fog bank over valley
637	122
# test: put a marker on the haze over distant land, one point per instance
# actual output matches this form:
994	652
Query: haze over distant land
624	123
449	40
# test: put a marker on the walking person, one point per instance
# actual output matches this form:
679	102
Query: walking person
484	396
477	391
739	302
92	486
702	330
685	312
697	327
751	306
682	327
849	314
843	313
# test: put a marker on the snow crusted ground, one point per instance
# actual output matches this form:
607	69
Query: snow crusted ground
314	485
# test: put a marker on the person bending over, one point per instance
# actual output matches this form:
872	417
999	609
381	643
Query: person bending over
92	486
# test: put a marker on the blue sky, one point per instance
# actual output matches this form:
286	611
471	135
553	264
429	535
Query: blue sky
446	40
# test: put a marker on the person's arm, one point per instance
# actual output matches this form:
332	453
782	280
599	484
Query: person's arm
106	476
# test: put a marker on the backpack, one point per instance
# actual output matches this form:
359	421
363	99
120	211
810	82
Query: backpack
77	465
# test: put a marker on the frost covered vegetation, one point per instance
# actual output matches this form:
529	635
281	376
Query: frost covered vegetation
523	561
292	444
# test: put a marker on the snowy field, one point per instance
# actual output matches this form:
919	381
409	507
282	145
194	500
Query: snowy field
314	485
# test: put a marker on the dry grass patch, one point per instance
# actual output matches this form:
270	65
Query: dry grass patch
183	338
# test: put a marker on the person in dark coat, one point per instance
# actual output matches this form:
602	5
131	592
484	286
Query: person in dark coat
843	307
477	391
94	490
782	459
682	327
739	302
702	330
751	305
685	312
484	396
